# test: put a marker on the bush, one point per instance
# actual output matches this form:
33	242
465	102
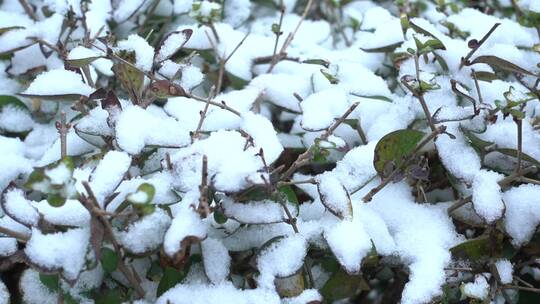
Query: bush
269	151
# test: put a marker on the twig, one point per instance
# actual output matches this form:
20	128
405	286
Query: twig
268	59
505	182
519	143
497	276
92	205
204	209
86	71
527	180
63	127
369	196
535	290
477	85
203	114
304	158
278	34
292	182
419	94
28	9
291	35
221	105
14	234
465	60
522	281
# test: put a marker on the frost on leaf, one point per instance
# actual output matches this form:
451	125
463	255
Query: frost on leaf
186	227
271	263
334	196
58	83
349	242
64	251
216	260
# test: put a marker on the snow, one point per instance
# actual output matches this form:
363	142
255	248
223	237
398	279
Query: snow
505	270
19	208
349	242
147	233
458	157
75	146
144	53
71	213
255	212
185	224
478	289
236	12
13	163
216	260
8	246
271	262
187	110
59	174
320	109
33	291
279	112
108	174
64	251
280	88
487	198
172	43
224	293
137	128
4	294
127	8
263	134
423	236
58	82
334	196
15	119
231	166
522	214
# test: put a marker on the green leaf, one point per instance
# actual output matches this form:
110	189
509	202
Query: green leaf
514	153
144	194
9	28
342	285
426	86
330	77
394	147
219	217
290	286
108	297
51	281
322	62
275	28
289	193
376	97
486	76
131	78
236	82
170	278
383	49
420	30
475	141
81	62
502	64
254	193
55	200
109	260
13	101
482	247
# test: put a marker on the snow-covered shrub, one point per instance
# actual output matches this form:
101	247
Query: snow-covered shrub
269	151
